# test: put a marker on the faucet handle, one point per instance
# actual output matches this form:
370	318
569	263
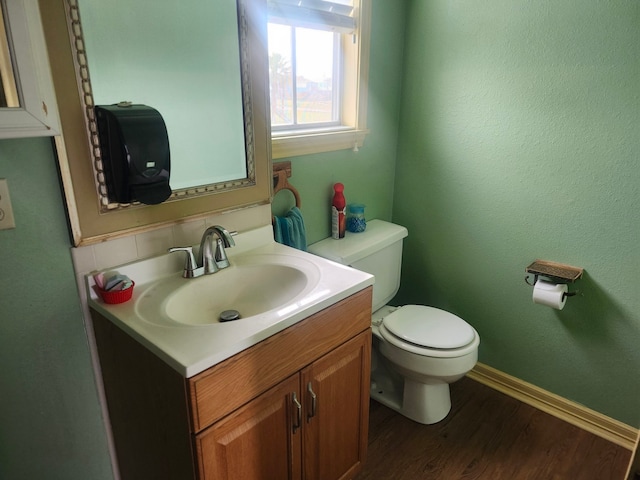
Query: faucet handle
190	264
225	235
225	239
221	256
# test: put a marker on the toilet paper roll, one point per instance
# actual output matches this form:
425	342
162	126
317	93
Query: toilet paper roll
550	294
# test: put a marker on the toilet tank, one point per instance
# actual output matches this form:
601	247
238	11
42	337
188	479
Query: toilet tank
377	250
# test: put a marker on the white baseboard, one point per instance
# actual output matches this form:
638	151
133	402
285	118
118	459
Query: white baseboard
571	412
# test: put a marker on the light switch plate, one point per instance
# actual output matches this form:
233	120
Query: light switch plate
6	212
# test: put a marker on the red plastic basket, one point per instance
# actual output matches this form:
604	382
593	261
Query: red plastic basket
116	296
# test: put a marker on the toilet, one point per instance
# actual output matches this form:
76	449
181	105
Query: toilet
417	350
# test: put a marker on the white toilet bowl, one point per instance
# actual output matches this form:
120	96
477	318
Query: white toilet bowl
417	351
424	349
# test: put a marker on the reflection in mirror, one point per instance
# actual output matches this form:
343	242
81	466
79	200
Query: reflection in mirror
9	92
168	55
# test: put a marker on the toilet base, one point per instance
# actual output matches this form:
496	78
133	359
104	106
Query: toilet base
386	391
426	403
423	403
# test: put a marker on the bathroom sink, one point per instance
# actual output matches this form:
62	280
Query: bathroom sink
272	287
252	286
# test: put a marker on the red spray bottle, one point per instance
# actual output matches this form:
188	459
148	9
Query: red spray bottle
338	210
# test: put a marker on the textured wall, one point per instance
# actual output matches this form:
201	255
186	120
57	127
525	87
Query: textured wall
509	109
519	139
50	421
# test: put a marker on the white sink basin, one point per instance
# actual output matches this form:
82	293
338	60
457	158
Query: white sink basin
253	285
248	290
272	287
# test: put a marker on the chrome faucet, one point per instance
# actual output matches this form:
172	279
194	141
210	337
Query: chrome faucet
210	259
214	259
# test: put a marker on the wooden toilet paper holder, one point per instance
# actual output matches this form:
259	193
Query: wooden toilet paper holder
555	272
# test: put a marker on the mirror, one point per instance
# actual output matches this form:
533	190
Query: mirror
243	90
27	100
9	93
162	54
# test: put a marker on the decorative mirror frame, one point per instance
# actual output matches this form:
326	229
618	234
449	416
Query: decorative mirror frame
92	217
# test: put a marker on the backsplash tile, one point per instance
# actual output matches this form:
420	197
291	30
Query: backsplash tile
149	244
118	251
115	252
188	233
83	259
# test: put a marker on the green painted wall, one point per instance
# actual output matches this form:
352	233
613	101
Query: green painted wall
520	139
509	111
368	174
50	421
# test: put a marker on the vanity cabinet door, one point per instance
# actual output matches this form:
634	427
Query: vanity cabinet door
258	441
336	411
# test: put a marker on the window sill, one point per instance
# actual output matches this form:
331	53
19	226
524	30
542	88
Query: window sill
292	144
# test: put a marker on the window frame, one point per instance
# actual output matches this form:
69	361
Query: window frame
353	129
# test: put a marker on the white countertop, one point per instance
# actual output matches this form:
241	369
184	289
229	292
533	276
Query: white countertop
191	349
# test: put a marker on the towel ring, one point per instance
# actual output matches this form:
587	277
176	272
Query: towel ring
281	183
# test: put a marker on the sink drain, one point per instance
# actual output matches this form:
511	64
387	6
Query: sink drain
229	315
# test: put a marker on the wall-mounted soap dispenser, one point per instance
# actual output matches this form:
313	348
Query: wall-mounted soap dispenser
135	153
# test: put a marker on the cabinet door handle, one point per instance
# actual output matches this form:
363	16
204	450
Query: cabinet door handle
314	402
298	407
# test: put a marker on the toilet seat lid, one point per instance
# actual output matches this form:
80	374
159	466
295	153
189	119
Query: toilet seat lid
429	327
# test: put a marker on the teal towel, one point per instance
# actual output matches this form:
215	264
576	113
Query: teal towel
289	230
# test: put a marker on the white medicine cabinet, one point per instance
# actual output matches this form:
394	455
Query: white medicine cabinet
27	99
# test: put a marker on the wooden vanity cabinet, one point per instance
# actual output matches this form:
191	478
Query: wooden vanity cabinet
293	406
310	422
335	430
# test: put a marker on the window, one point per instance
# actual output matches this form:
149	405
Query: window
318	66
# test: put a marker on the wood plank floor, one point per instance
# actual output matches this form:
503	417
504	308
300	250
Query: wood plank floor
487	436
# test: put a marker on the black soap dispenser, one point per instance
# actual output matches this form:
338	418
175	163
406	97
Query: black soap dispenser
135	153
